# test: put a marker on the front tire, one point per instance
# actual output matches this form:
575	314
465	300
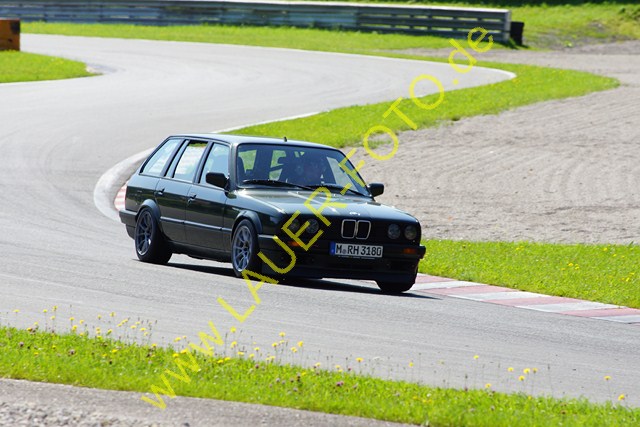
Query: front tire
394	288
150	243
244	249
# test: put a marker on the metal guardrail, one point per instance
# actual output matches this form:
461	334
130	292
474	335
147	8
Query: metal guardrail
418	20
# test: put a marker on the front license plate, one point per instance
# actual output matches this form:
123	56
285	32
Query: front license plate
356	251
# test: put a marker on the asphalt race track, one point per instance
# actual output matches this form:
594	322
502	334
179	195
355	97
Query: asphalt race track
56	248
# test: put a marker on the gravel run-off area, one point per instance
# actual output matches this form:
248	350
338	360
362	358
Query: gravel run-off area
564	171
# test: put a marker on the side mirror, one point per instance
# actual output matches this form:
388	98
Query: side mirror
217	179
376	188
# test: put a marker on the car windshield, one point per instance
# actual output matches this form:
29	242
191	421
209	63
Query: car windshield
294	166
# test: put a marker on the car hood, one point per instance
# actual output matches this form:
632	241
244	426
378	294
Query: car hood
288	202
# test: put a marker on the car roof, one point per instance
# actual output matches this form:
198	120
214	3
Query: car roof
242	139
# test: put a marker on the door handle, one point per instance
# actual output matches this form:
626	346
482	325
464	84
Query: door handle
159	193
191	197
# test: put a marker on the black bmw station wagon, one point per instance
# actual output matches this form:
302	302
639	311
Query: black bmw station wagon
269	206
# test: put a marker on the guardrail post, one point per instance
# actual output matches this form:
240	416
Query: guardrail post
9	34
517	30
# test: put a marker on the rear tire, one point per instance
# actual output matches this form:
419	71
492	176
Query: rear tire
150	244
244	249
394	288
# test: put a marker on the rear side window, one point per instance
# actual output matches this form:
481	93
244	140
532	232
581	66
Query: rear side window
157	162
188	164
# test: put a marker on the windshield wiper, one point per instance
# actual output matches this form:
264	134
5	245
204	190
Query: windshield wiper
275	183
340	188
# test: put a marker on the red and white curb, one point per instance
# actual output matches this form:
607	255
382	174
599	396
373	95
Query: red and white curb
527	300
118	203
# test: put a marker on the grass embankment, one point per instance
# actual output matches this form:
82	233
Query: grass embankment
560	23
104	363
26	67
605	273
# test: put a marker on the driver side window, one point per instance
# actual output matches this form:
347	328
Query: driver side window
217	161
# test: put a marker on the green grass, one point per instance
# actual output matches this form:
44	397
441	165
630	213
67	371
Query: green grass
24	67
293	38
103	363
604	273
570	25
347	126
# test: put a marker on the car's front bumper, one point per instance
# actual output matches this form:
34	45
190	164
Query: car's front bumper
399	263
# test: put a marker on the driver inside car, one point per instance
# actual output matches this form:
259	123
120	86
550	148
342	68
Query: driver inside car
311	170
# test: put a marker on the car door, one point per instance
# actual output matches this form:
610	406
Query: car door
172	190
206	203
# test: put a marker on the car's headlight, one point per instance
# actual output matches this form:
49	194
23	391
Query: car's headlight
393	231
313	227
293	225
411	232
